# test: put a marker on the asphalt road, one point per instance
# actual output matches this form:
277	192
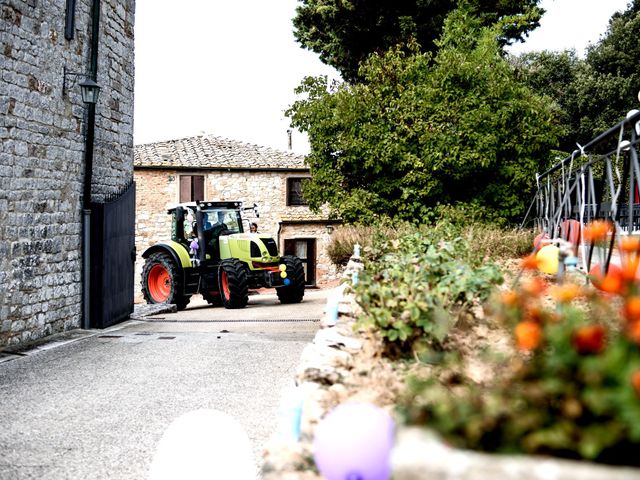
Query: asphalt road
96	407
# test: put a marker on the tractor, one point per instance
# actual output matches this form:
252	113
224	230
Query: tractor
210	253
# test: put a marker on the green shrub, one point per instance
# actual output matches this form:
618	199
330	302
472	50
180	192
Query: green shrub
413	286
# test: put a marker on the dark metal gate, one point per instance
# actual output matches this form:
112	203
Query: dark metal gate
112	258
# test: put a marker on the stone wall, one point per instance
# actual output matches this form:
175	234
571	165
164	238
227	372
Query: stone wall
42	154
158	190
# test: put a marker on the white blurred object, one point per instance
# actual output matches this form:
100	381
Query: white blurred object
203	444
332	309
290	414
624	145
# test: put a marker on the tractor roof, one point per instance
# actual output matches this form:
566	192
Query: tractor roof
207	205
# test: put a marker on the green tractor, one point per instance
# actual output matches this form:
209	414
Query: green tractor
209	253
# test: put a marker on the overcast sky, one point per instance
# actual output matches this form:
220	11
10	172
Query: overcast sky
229	67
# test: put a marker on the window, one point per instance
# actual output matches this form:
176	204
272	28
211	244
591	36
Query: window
294	191
191	188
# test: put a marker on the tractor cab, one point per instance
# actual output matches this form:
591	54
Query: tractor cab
204	223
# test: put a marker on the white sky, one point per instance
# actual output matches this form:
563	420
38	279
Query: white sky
571	24
229	67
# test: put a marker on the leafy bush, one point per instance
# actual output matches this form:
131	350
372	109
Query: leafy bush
414	285
573	391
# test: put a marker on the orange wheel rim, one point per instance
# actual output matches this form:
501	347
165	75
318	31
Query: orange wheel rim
159	283
224	280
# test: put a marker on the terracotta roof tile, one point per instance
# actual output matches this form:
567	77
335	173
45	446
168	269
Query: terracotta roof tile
207	151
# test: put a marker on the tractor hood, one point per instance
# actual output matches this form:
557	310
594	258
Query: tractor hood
249	247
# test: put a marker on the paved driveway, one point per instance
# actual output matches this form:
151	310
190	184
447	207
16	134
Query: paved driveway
97	407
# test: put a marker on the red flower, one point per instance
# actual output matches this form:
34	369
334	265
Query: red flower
589	339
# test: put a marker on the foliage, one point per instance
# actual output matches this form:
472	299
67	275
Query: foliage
414	285
574	391
495	243
421	131
596	92
345	33
343	240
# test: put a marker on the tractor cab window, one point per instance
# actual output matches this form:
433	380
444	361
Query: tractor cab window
229	218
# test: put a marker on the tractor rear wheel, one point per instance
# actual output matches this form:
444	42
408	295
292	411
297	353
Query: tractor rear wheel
234	283
294	292
162	282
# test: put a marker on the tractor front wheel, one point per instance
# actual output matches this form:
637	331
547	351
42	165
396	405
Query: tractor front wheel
162	282
234	283
294	292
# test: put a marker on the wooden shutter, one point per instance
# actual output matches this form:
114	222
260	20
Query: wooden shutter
198	187
185	188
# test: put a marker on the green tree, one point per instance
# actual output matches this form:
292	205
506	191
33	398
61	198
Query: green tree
595	92
345	32
420	131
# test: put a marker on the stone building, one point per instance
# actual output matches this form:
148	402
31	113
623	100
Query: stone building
212	168
47	49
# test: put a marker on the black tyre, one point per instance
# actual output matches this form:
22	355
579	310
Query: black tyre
213	298
162	281
234	285
294	292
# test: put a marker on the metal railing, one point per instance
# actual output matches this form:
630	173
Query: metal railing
600	180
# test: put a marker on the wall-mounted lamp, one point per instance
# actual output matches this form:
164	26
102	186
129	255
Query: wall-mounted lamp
89	89
329	229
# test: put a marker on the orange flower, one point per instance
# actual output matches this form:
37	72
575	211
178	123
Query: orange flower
597	230
530	262
631	308
635	381
629	244
589	339
565	293
609	283
534	287
509	298
528	335
630	269
633	331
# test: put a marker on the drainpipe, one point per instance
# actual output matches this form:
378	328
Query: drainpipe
278	236
88	162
